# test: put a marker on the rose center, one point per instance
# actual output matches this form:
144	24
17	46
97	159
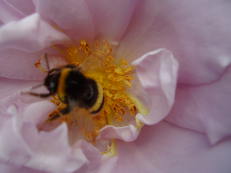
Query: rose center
115	75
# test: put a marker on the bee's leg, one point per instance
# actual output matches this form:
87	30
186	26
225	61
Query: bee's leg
66	110
59	113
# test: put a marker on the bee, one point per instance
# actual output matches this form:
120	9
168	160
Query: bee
73	89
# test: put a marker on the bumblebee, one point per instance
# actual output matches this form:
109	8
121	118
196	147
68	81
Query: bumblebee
73	89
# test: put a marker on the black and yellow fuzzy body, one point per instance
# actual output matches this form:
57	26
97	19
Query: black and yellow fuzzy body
74	89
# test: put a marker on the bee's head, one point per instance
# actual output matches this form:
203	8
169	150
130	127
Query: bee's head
51	80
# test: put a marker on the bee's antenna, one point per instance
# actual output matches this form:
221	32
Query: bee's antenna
36	86
47	62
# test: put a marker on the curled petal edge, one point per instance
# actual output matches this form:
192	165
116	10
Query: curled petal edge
157	73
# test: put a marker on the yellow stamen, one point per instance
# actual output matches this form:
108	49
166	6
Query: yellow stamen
39	66
139	124
141	108
111	150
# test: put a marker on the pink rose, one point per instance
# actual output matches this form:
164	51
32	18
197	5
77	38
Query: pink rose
181	55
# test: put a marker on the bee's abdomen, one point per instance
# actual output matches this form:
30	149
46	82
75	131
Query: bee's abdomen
86	92
99	101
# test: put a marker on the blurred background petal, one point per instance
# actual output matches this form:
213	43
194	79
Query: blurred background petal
157	73
16	64
26	7
111	18
30	34
166	148
8	13
205	108
197	32
72	16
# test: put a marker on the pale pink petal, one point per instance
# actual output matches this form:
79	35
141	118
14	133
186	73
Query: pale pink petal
197	32
59	155
11	94
11	168
71	16
26	70
16	64
12	146
166	148
24	6
8	13
205	108
29	34
111	18
157	73
30	115
107	166
23	144
11	87
94	158
126	133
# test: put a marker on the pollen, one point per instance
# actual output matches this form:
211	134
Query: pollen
97	61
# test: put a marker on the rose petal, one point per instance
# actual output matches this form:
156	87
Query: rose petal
52	155
69	158
12	146
10	168
168	149
12	87
11	94
16	64
39	150
197	32
8	13
34	111
107	165
29	34
157	72
93	156
126	133
72	16
111	18
25	6
205	108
